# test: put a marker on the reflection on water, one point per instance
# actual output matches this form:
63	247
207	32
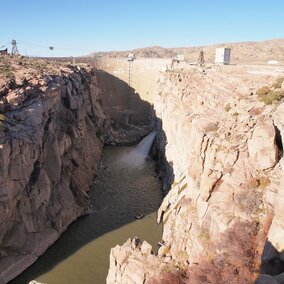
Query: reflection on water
120	193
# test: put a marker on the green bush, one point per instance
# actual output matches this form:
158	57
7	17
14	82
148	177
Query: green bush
269	96
263	91
2	118
272	96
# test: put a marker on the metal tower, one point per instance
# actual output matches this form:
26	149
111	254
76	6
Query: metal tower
14	48
201	60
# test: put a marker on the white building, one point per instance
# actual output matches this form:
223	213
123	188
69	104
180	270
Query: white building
223	55
130	57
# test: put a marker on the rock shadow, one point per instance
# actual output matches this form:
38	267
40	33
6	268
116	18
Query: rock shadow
272	265
126	109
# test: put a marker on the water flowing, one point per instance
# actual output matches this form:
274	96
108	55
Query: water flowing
138	155
119	195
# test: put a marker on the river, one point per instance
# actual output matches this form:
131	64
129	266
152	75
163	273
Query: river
125	188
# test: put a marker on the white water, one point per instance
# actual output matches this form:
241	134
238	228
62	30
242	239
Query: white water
145	145
137	157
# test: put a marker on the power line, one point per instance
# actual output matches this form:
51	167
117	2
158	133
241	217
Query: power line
4	45
52	47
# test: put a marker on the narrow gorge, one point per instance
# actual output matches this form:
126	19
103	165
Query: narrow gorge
70	146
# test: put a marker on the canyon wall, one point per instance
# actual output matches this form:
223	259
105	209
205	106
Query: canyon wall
52	134
223	159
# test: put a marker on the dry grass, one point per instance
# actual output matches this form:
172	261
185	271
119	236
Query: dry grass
256	182
236	263
6	69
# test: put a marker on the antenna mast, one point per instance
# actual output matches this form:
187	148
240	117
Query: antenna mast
15	50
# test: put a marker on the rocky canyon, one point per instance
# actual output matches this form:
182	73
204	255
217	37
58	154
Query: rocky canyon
221	140
218	151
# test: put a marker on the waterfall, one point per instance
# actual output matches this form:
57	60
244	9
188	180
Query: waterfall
137	156
145	145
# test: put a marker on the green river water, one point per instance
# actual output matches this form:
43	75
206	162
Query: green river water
122	190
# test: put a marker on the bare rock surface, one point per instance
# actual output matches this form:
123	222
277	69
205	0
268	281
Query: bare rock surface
224	152
52	132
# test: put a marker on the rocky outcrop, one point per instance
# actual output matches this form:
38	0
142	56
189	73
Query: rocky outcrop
262	147
222	149
132	262
52	132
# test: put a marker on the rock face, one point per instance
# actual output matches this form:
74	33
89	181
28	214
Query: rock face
51	137
262	148
222	150
134	262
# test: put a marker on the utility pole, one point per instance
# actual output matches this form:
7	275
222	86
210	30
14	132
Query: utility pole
14	48
130	60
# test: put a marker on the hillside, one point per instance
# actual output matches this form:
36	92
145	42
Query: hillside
242	52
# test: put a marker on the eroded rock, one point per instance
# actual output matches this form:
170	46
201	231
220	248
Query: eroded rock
49	155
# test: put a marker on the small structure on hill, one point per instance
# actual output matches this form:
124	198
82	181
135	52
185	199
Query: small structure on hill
4	51
201	60
130	57
223	55
272	62
15	50
178	58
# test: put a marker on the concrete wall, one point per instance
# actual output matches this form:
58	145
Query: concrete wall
121	102
144	73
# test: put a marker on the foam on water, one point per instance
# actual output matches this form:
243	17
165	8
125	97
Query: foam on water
137	156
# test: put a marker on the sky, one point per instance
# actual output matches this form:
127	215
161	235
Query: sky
79	27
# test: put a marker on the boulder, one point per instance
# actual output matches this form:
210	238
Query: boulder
262	148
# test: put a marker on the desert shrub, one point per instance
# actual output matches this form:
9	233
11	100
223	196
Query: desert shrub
268	96
272	96
227	107
263	91
250	197
264	181
170	275
6	69
249	201
251	183
237	261
278	83
2	118
204	235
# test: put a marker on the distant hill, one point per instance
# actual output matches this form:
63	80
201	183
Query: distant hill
146	52
242	52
